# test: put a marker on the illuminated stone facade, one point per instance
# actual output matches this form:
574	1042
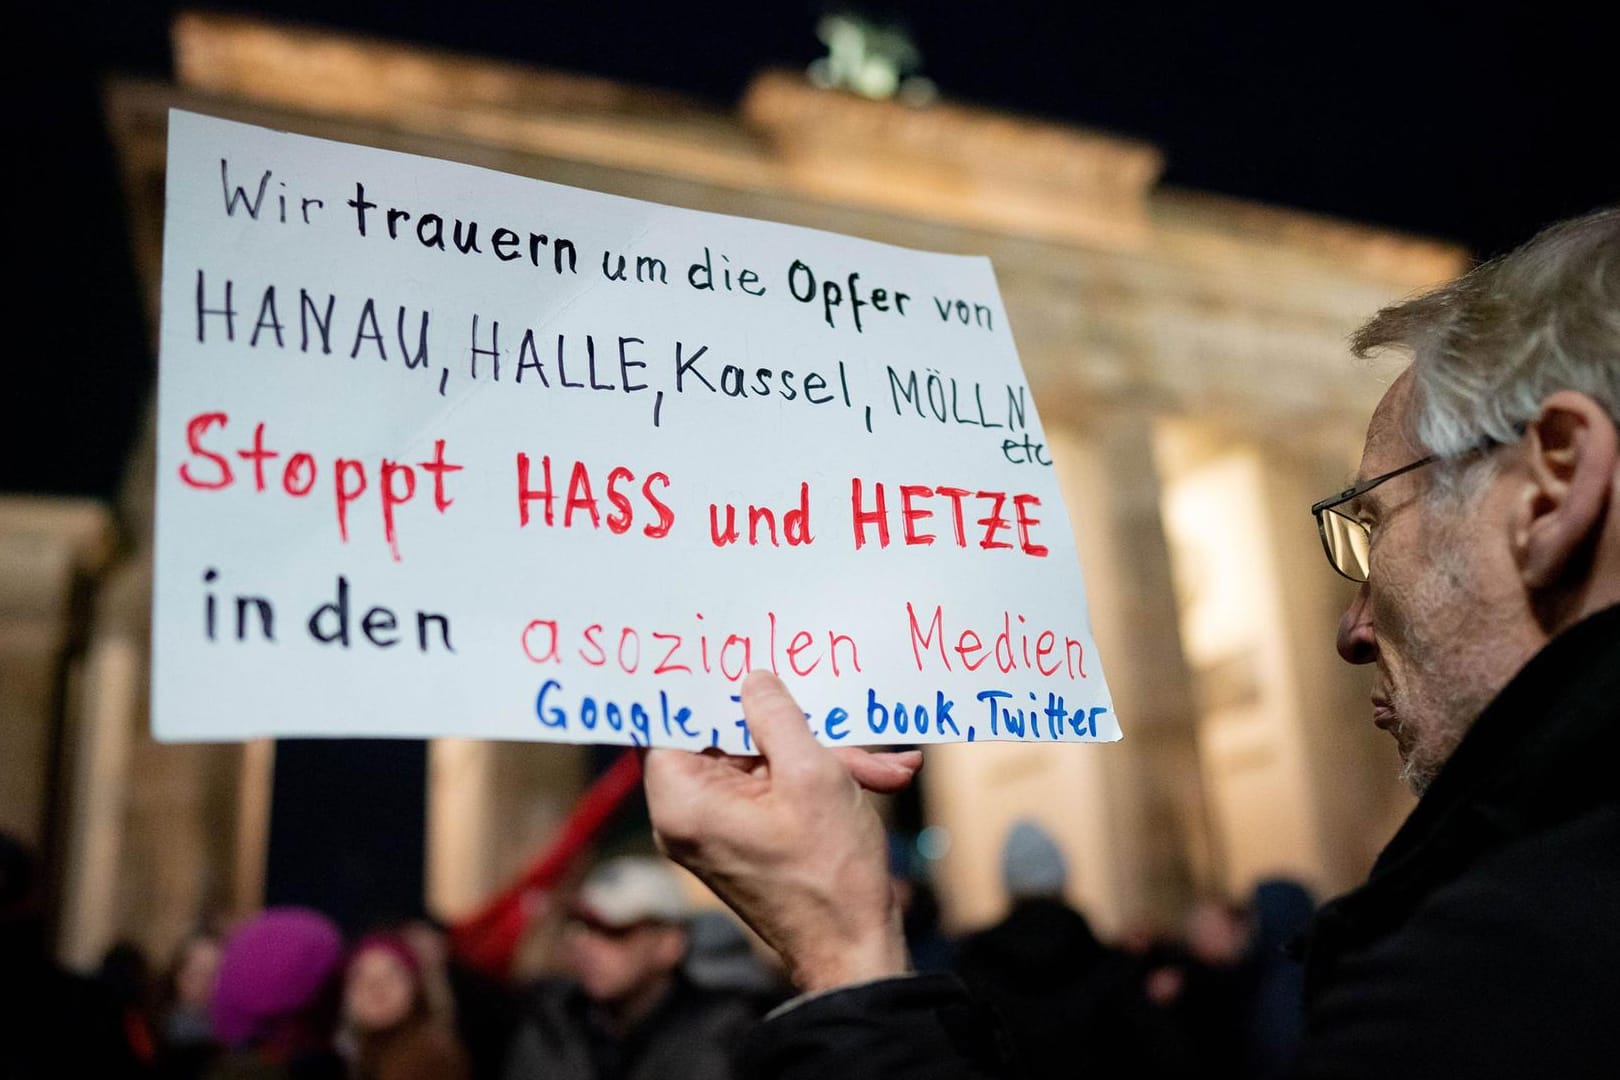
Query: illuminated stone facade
1187	354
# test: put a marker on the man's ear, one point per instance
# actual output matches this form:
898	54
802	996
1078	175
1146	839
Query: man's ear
1573	452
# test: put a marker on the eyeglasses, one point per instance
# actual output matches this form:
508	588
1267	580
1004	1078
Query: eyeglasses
1348	542
585	922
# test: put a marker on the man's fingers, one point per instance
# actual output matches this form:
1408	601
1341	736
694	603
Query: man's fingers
881	772
779	730
775	720
666	775
679	772
683	789
675	779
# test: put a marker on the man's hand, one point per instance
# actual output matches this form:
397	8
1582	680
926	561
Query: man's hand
789	840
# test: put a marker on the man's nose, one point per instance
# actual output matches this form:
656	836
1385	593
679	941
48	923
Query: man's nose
1355	641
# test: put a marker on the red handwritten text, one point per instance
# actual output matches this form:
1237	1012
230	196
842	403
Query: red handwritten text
210	470
1003	512
534	484
678	650
1009	647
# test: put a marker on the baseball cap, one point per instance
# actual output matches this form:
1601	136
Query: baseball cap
632	889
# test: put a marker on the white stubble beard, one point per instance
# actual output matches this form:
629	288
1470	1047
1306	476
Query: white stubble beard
1449	641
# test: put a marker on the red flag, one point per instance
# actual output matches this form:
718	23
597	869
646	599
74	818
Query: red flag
488	939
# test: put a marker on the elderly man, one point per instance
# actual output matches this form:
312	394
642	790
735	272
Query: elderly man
1485	539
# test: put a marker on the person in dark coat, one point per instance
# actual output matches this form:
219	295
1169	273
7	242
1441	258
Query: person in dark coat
186	1043
929	945
1280	911
720	957
628	1010
1484	536
53	1022
1062	994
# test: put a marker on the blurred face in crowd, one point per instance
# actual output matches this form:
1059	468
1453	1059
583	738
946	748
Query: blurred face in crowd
380	992
194	978
1216	935
1434	598
616	964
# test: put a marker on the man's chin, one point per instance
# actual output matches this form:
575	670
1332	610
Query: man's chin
1416	778
1416	771
1418	768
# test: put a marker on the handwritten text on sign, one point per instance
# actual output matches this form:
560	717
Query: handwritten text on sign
449	452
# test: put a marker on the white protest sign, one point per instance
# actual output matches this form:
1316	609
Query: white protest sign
447	452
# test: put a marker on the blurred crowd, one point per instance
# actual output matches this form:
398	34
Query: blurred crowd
634	982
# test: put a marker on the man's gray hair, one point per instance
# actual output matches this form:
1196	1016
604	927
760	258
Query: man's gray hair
1490	346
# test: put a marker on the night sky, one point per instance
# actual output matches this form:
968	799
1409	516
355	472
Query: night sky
1472	123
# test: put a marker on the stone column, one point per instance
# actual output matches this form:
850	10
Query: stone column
49	551
1112	485
150	840
255	781
1129	815
460	824
492	807
103	733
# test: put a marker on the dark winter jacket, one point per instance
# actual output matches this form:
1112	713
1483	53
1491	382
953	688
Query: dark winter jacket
692	1032
1062	996
1486	942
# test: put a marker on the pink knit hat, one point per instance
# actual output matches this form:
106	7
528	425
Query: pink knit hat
394	944
277	966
